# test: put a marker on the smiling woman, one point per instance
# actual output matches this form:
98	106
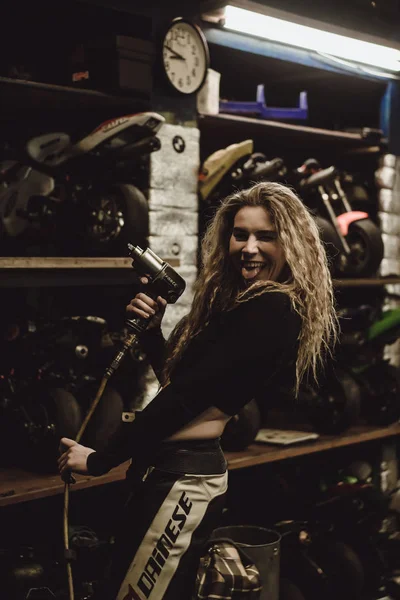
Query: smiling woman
254	248
262	312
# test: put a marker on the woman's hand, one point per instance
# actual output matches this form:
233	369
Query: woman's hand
144	306
73	457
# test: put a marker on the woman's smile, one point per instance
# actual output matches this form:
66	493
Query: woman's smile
255	251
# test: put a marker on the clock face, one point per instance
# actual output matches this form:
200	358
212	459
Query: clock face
185	57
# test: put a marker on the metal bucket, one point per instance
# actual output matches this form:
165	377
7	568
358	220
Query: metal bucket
263	547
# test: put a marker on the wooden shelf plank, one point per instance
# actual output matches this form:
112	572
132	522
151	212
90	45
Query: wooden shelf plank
371	282
259	127
17	485
21	272
36	93
55	262
257	454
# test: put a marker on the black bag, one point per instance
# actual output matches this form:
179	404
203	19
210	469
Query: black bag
227	573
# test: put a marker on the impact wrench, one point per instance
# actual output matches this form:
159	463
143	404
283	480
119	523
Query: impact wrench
163	281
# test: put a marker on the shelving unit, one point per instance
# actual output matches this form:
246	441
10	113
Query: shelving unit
17	485
66	271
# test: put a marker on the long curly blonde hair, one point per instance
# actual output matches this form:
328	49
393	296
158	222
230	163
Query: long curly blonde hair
305	279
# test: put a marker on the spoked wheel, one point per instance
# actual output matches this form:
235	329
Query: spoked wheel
366	245
115	217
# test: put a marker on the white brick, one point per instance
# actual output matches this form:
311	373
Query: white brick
173	222
172	198
179	246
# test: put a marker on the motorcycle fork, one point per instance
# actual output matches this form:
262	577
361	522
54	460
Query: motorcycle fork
327	203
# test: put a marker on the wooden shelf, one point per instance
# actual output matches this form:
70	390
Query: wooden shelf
248	127
67	271
18	486
34	94
86	262
371	282
258	454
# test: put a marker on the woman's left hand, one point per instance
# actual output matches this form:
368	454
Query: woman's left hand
73	457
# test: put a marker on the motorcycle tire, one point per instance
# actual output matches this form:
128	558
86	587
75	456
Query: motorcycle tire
289	591
343	568
135	210
104	421
42	420
365	241
330	240
242	429
381	394
334	407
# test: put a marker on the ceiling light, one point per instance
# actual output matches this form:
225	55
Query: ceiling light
310	38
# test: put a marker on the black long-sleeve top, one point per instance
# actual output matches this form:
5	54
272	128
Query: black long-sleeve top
226	365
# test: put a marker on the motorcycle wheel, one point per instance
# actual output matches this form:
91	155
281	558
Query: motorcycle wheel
366	245
343	568
43	419
289	591
381	394
334	407
105	420
115	216
135	210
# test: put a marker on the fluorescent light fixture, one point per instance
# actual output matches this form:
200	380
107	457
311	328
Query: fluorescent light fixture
310	38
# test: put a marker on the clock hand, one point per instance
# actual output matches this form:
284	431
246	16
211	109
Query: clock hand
177	56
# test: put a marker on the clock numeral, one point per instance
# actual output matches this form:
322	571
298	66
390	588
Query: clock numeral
180	82
172	76
193	72
166	65
188	80
196	61
189	38
193	49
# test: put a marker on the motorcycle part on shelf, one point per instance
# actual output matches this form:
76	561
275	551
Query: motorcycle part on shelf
105	420
113	63
359	241
335	405
236	167
33	425
241	429
260	109
86	187
218	165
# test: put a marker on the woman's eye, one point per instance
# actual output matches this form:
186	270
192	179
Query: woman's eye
268	237
240	237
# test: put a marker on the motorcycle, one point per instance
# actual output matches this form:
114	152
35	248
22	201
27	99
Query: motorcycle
49	372
361	383
52	187
353	241
235	167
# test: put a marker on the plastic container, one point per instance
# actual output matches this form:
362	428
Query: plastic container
263	547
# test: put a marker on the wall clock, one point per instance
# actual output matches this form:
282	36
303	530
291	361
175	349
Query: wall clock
185	56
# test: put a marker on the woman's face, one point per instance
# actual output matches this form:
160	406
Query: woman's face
254	248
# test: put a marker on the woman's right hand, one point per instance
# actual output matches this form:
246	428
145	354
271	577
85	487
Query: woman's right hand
144	306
